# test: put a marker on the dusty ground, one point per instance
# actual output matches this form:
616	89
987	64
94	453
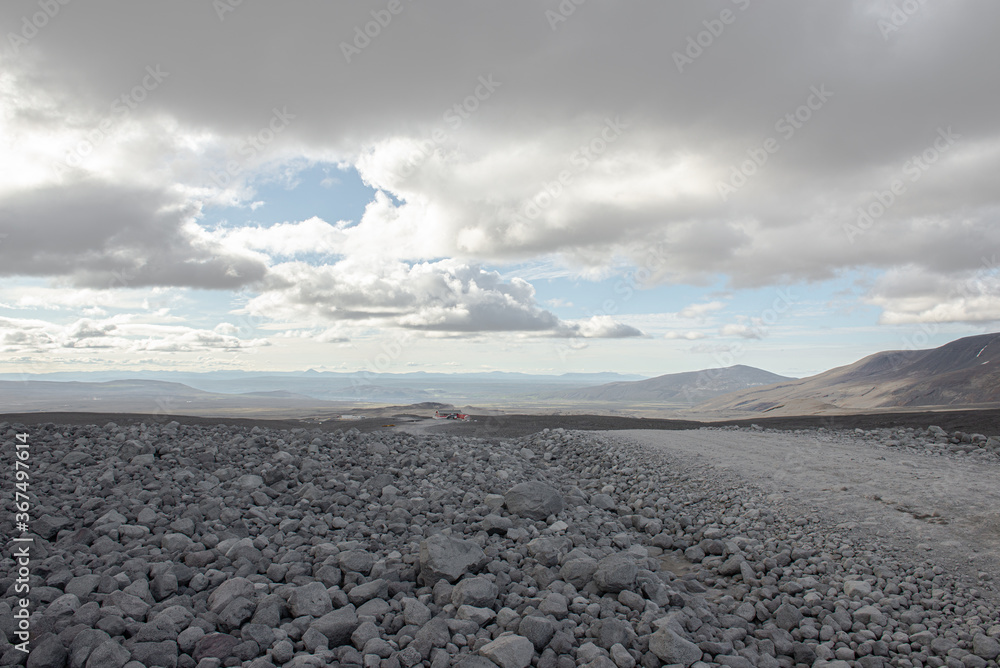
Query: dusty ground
508	426
923	507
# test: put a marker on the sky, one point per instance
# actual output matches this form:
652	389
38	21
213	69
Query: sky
544	187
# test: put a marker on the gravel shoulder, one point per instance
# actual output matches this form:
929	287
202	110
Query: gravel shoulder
922	504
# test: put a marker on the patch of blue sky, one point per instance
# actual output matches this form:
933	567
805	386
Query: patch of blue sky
322	190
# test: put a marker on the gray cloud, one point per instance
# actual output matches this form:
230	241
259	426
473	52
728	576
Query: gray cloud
742	330
470	194
108	236
909	295
445	296
598	327
18	335
689	335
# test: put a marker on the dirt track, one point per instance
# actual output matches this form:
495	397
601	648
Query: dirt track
942	509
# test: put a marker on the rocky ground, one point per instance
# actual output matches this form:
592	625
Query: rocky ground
196	545
508	425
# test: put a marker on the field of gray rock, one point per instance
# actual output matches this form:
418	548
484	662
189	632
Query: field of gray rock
170	545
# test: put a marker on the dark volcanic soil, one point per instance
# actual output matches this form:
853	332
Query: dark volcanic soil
509	426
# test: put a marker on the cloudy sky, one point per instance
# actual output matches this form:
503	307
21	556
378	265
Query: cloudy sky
526	186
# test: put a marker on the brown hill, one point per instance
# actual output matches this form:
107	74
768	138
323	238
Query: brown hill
962	373
680	389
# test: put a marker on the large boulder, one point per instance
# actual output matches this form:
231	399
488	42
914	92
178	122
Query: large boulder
613	631
64	606
547	550
510	651
249	481
131	605
173	619
357	561
338	625
83	646
109	654
869	614
448	558
985	647
477	591
215	646
673	649
310	599
616	573
534	500
857	588
433	634
579	571
787	616
229	591
48	652
415	612
47	526
539	630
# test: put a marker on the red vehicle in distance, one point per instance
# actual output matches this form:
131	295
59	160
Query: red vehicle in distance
438	415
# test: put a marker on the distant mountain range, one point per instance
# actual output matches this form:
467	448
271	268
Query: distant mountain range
965	372
155	397
300	392
676	389
312	393
402	388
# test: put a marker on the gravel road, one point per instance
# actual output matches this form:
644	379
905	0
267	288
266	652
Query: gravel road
919	502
